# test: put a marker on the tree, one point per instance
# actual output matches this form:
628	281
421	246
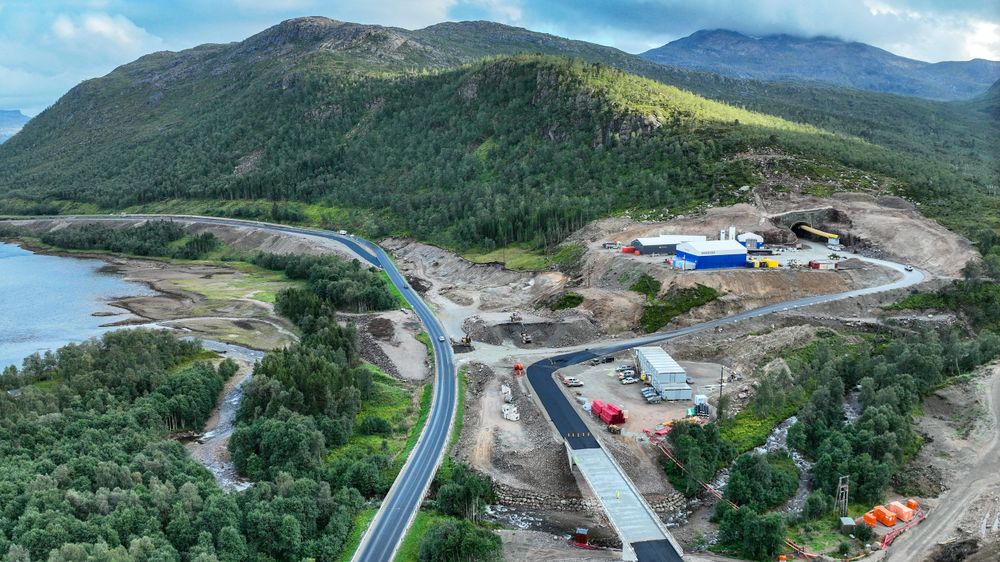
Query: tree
451	540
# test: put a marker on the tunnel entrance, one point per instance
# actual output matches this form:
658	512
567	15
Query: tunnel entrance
826	225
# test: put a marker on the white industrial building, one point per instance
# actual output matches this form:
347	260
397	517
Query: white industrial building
663	244
663	373
710	254
751	240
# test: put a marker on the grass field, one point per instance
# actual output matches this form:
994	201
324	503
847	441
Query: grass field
393	401
361	522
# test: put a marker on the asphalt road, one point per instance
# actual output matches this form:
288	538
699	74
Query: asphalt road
566	416
387	529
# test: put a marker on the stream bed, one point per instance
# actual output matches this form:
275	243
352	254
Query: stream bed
211	447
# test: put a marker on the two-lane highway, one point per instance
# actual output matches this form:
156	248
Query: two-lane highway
386	531
384	535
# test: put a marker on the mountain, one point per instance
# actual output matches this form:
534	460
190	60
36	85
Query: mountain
989	102
394	131
829	60
11	121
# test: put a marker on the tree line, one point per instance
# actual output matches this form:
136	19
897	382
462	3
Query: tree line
151	238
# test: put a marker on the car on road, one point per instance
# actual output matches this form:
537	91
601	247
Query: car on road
908	267
440	338
629	380
599	360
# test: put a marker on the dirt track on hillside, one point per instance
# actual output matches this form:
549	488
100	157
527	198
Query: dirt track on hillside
950	517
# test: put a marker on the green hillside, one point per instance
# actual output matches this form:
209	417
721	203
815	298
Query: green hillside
391	131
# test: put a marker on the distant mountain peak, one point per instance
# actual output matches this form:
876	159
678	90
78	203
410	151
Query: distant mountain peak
11	121
785	57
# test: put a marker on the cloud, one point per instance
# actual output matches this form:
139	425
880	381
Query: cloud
47	47
924	29
103	32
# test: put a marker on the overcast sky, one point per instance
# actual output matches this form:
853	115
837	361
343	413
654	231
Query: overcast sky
48	46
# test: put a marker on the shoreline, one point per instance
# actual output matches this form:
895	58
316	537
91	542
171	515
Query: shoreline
237	320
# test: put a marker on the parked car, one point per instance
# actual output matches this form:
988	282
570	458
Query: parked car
595	361
648	391
572	381
623	367
654	399
609	359
629	380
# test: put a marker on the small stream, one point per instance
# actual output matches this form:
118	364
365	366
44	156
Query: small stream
777	441
211	448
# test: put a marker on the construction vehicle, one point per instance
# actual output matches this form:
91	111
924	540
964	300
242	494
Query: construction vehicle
614	429
518	369
515	317
525	338
467	340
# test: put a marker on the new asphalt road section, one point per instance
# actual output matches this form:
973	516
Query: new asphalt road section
566	416
387	529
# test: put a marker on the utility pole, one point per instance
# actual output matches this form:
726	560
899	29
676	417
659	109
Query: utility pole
842	495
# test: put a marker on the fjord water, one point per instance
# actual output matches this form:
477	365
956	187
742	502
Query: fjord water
47	301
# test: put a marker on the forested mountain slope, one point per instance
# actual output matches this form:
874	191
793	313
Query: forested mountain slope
826	59
394	132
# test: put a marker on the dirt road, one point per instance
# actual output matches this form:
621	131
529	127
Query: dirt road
943	521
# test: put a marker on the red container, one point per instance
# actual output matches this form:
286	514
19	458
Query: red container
614	414
869	519
597	408
912	504
628	250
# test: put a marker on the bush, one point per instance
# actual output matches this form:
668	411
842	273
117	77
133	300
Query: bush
817	505
864	533
374	425
450	540
567	300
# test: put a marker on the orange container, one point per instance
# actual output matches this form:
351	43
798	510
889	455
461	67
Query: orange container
902	512
869	519
912	504
884	516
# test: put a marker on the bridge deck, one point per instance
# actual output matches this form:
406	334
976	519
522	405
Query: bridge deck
628	512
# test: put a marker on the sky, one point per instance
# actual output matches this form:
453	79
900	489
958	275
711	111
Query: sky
49	46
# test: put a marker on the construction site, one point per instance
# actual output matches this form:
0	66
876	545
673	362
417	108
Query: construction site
569	409
754	255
